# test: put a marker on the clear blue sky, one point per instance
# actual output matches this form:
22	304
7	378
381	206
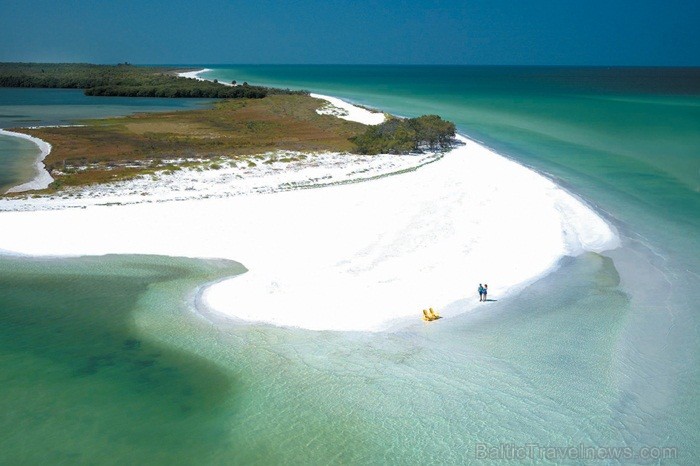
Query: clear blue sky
477	32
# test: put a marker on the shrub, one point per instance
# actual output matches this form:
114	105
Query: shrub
402	136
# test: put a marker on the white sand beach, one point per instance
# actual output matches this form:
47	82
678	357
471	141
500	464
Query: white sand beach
203	179
347	111
356	256
334	106
195	75
360	256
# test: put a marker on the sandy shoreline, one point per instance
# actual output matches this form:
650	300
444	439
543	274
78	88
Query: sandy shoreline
361	256
347	111
42	179
194	74
347	257
336	107
421	239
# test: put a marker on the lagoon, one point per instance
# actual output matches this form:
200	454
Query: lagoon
44	107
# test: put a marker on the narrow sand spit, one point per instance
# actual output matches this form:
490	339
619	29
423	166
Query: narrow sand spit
346	111
334	106
360	256
194	74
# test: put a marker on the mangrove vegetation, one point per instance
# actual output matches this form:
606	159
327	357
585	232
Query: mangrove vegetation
401	136
126	80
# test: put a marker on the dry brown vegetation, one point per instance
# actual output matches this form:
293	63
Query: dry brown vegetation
117	148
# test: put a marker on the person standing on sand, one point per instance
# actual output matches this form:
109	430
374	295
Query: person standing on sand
486	290
481	292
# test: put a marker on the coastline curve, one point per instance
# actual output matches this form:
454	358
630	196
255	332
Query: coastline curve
355	257
42	178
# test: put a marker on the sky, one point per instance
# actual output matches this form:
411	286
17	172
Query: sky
468	32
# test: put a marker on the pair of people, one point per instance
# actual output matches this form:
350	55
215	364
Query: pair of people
483	289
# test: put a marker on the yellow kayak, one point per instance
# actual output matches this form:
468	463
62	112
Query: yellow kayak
429	315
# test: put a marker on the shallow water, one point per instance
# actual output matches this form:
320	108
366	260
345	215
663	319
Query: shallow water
17	160
78	372
602	352
36	107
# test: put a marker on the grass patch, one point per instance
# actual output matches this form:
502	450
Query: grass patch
120	148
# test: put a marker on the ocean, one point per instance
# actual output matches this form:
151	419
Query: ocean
104	361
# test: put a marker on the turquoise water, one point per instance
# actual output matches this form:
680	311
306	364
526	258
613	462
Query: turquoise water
39	107
602	352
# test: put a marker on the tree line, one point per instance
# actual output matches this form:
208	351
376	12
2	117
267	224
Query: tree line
402	136
125	80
